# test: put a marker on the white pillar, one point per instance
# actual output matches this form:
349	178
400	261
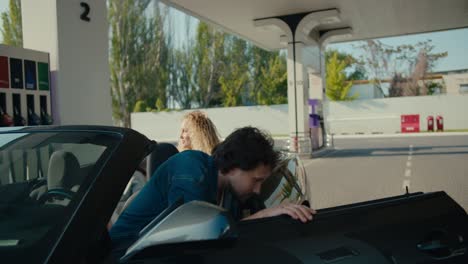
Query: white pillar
298	89
78	56
304	45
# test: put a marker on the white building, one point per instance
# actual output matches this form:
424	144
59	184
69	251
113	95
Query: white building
453	82
456	82
366	90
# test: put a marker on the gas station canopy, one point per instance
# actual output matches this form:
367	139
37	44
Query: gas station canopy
367	18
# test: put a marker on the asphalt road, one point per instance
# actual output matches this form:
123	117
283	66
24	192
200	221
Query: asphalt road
361	169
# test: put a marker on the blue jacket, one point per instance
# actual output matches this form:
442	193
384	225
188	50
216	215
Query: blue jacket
189	174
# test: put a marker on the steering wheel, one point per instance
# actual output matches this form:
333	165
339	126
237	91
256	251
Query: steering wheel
59	193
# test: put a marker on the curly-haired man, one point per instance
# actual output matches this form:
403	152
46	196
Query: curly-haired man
239	165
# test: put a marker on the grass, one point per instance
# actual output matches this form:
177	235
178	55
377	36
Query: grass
448	130
456	130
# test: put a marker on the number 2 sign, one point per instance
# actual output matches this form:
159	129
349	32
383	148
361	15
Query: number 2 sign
85	14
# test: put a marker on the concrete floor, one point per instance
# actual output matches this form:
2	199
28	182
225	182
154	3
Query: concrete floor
364	168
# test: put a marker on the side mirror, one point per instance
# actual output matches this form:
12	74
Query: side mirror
193	221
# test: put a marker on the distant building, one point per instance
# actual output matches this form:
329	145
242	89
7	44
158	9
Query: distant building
455	82
366	91
452	82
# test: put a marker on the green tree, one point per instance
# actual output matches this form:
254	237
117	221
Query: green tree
126	25
260	59
160	105
140	106
215	69
154	72
181	70
354	68
180	75
435	87
338	87
269	77
209	64
12	31
235	79
272	84
138	57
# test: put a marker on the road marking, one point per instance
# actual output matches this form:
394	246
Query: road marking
410	152
406	183
408	173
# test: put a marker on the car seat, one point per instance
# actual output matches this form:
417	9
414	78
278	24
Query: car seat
63	171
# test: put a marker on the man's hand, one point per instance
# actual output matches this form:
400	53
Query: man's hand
296	211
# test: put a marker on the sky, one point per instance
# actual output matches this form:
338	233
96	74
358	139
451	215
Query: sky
3	5
455	42
3	8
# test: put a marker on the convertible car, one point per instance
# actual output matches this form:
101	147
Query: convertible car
60	185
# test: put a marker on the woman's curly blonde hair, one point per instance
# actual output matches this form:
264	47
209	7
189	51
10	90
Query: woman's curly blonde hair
203	133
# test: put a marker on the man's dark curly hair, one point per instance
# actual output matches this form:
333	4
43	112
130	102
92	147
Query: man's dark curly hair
245	148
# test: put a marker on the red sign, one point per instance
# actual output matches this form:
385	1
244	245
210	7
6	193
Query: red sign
4	73
409	123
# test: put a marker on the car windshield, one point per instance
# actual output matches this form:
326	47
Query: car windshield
43	178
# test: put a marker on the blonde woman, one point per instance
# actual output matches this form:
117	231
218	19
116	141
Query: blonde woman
198	133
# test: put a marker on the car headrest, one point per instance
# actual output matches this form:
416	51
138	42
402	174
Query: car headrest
160	154
63	167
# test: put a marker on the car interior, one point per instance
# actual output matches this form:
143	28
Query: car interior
40	177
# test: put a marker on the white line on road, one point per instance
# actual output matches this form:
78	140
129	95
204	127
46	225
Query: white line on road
406	183
408	173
